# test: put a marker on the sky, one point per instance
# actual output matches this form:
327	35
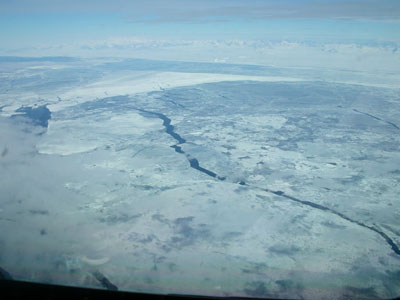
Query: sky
44	23
25	21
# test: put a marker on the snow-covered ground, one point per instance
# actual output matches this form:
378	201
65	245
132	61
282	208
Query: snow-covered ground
304	195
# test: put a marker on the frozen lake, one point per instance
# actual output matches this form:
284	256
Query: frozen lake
221	179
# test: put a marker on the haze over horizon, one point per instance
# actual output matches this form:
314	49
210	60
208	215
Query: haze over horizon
172	29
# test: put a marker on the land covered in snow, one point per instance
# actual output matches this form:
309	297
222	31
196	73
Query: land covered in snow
200	178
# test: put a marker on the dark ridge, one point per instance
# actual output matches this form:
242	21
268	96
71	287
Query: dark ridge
394	125
4	152
194	163
104	281
4	274
309	203
388	240
167	124
367	114
279	193
173	102
372	116
395	248
170	131
177	149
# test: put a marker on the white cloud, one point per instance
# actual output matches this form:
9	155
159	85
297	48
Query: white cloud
158	11
370	57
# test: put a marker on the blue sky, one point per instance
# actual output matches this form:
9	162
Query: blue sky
25	23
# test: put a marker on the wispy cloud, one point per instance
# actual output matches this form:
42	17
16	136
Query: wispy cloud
161	11
286	9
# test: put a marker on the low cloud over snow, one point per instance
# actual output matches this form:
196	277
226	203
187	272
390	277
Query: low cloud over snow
371	56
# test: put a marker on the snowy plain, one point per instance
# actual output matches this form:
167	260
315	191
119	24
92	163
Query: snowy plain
294	194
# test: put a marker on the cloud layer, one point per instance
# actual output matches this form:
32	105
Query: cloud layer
158	11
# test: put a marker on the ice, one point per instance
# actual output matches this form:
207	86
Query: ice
305	190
